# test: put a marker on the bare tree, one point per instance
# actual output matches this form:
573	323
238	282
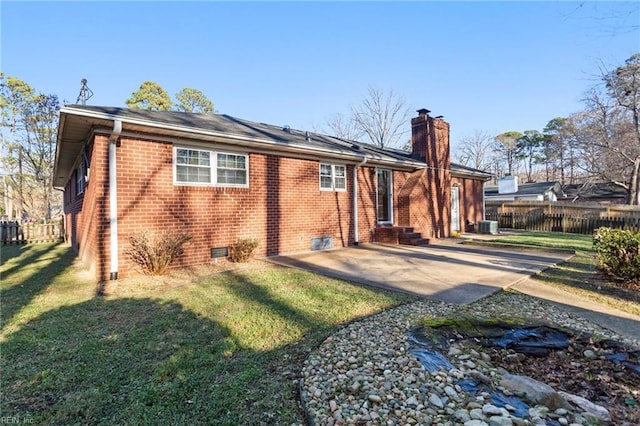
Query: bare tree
343	127
383	117
609	130
476	150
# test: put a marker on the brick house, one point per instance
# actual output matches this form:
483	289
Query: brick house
222	178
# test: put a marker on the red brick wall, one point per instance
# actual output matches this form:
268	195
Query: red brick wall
85	212
430	194
471	208
283	207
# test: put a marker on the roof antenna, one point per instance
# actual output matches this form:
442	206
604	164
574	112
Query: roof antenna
85	93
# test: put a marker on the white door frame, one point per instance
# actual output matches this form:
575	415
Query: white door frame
455	209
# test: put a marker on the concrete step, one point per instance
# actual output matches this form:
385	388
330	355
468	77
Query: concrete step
415	241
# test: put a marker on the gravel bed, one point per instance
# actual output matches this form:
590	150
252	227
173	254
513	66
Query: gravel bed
365	373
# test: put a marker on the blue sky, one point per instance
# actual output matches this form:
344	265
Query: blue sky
490	66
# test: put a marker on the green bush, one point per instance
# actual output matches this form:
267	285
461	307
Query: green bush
155	252
618	252
242	250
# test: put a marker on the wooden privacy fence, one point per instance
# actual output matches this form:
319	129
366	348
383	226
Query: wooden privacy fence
21	233
551	217
558	222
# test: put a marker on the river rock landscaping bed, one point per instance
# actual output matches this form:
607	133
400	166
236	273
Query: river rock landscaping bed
369	373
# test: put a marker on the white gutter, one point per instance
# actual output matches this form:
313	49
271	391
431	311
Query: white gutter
113	200
355	200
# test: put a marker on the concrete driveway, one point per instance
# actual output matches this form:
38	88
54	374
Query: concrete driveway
453	273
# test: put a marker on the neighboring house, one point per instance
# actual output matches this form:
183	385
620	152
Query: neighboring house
596	192
508	189
221	178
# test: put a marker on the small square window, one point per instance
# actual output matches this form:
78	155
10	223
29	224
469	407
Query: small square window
333	177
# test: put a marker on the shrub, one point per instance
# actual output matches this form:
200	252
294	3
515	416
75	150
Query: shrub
155	252
618	252
242	250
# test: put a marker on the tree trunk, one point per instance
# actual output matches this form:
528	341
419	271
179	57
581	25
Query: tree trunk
634	188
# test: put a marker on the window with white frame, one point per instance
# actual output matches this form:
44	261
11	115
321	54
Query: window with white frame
79	181
82	175
333	177
203	167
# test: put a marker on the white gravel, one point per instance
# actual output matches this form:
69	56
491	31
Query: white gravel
365	374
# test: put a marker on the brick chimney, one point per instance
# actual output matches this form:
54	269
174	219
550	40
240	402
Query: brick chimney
430	143
430	140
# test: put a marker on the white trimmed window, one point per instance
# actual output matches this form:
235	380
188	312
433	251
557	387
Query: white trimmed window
333	177
79	180
203	167
82	175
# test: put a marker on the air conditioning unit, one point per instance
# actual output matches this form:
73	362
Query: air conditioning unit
488	227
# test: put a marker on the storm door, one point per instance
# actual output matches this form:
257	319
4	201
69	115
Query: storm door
455	209
385	196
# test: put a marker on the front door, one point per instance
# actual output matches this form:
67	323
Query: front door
385	196
455	209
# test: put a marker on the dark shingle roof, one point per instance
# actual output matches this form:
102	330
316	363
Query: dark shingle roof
226	126
596	190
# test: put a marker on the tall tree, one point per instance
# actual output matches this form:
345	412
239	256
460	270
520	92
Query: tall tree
561	153
529	149
29	124
150	96
383	117
506	144
193	100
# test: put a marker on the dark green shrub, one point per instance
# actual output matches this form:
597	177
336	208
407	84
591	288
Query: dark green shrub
618	252
154	253
242	250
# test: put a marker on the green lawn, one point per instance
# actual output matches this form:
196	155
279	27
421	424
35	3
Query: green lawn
551	240
225	350
580	274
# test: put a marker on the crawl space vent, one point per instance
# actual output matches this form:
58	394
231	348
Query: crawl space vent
321	243
219	252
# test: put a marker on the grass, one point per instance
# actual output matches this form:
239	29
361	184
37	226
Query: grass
554	240
580	274
225	349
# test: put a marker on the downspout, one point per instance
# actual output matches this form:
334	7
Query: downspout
356	239
113	200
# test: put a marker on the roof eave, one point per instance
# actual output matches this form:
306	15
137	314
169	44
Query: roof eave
94	118
478	176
